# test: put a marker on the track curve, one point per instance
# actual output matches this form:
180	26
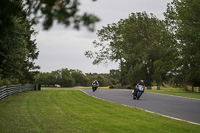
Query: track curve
175	107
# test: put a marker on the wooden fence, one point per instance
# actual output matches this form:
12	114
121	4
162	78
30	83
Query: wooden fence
14	89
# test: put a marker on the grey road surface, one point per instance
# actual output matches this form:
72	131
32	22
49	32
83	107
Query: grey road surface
172	106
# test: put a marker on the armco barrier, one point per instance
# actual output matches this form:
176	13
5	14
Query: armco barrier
14	89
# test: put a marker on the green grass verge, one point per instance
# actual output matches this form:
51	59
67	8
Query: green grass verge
61	110
177	92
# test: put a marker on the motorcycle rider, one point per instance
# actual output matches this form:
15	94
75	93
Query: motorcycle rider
95	83
136	87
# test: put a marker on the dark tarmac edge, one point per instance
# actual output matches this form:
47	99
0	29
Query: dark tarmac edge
146	110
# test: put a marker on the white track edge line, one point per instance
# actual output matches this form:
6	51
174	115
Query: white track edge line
144	109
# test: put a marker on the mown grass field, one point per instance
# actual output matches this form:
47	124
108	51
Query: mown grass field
61	110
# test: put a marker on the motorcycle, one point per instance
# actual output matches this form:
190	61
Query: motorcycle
138	92
94	87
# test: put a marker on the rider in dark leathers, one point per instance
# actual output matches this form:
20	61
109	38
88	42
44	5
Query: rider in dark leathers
95	83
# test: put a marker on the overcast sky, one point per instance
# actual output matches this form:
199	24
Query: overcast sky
62	47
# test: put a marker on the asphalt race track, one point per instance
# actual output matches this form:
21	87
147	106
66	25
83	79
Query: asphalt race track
171	106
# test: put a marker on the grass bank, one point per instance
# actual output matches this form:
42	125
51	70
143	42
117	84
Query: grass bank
61	110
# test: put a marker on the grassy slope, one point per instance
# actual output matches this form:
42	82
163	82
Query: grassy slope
63	111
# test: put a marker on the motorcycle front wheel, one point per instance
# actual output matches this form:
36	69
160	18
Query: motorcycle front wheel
94	89
134	97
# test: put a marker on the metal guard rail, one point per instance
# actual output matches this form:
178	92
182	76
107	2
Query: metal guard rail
6	91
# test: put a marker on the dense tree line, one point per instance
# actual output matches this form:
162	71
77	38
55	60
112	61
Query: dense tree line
72	77
157	51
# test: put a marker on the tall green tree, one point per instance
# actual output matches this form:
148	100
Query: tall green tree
143	45
182	17
18	51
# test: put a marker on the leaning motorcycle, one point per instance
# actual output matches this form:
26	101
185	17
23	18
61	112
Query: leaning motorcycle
138	92
94	87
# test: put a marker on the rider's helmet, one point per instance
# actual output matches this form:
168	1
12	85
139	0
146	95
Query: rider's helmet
141	81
